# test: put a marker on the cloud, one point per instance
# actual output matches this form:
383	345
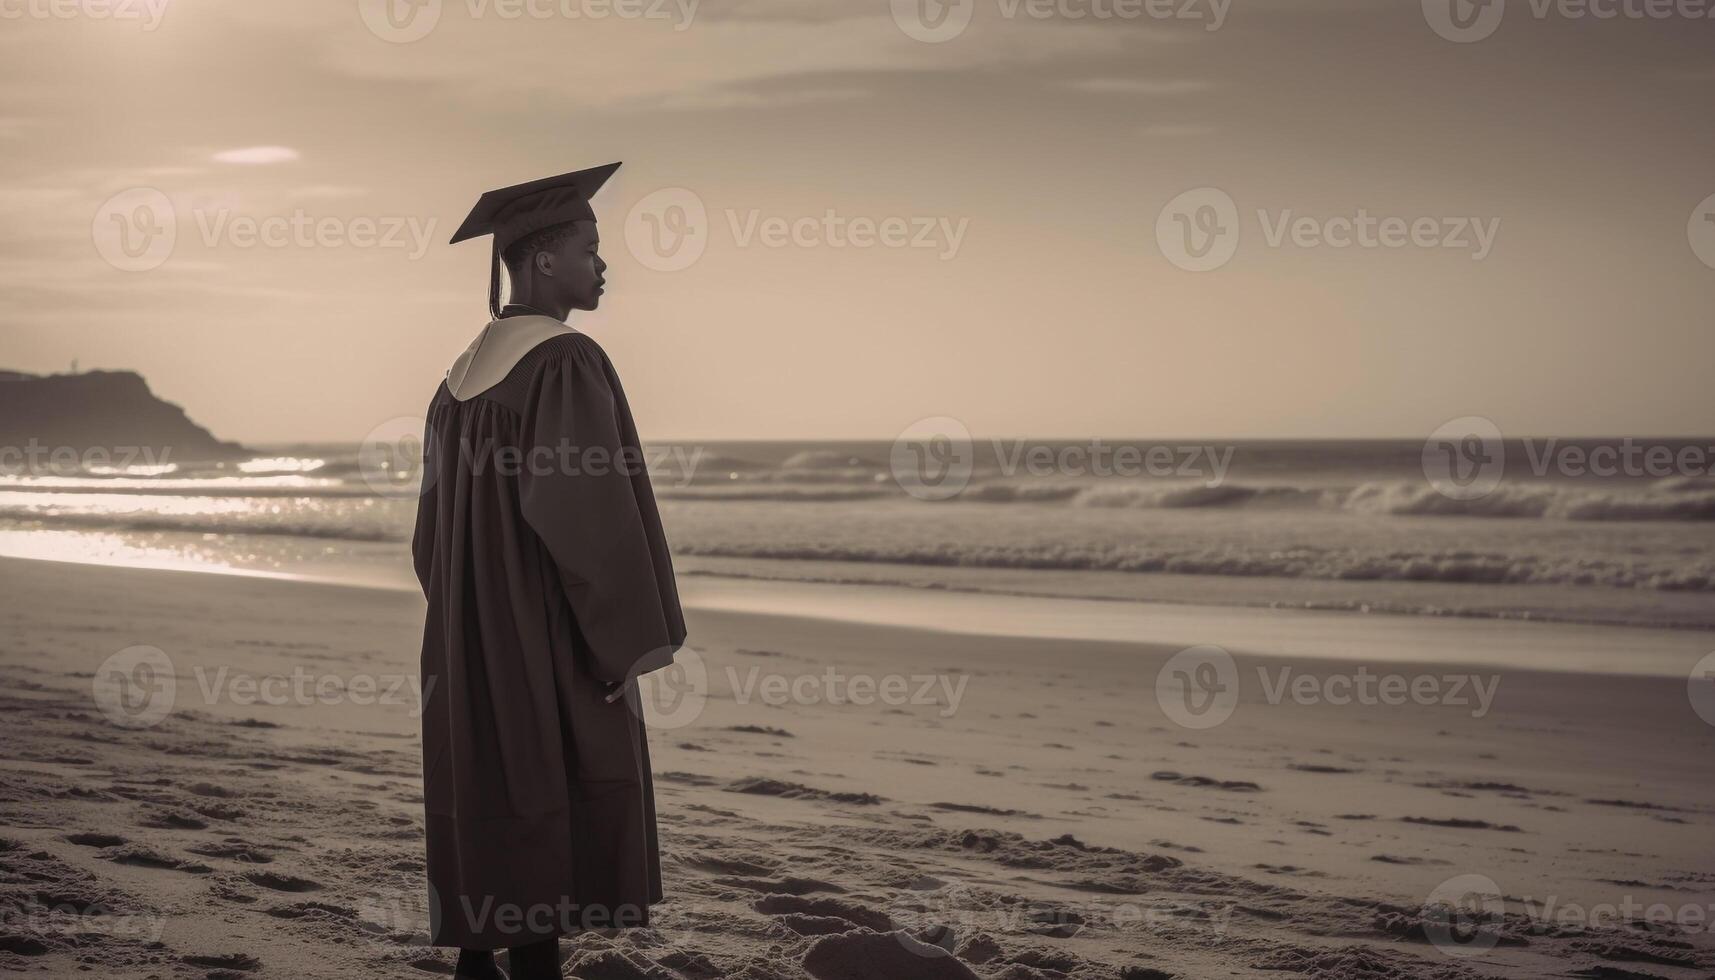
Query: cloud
1170	130
1137	86
257	154
170	171
640	63
800	10
734	98
326	192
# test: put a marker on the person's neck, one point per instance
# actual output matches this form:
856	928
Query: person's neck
528	306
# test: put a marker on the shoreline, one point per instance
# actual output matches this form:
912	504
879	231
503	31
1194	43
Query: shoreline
1260	630
385	563
1180	589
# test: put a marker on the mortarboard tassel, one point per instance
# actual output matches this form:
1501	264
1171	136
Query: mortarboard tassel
494	282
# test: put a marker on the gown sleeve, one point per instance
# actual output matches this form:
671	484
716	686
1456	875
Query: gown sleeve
428	515
580	489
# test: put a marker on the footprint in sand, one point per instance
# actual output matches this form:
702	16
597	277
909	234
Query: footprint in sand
833	908
730	866
240	962
138	856
1410	861
96	840
1290	870
1206	782
1460	823
218	811
988	811
281	882
781	886
171	820
300	910
234	850
814	925
22	945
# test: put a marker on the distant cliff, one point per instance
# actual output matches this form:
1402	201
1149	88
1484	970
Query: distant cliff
96	413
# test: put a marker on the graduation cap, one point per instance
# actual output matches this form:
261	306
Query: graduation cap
511	214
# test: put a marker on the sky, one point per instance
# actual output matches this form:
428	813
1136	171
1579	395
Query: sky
1057	218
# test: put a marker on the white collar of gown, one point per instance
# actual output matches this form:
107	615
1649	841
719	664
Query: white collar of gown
496	350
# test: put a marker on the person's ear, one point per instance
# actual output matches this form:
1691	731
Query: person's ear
544	262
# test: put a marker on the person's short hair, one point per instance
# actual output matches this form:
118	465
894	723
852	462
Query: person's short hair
517	255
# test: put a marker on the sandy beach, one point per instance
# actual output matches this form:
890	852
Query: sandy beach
857	490
831	789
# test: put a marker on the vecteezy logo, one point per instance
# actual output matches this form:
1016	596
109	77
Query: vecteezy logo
1198	231
1463	915
673	696
1465	458
394	458
407	913
1700	230
933	21
400	21
1464	21
135	687
668	230
1700	688
1198	687
932	459
135	230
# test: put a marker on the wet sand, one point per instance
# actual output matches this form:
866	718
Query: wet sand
831	789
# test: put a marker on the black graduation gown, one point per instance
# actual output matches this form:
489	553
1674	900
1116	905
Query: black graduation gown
540	550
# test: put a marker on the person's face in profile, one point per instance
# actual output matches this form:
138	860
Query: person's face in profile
574	269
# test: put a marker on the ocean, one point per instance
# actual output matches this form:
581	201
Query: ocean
1334	525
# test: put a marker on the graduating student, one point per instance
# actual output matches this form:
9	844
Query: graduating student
540	549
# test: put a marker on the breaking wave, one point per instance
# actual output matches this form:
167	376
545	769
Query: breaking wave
1468	567
1676	500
